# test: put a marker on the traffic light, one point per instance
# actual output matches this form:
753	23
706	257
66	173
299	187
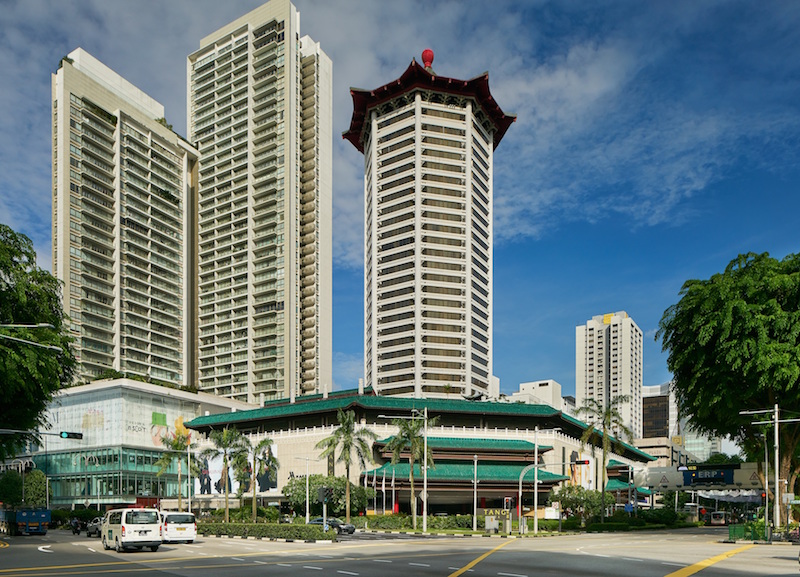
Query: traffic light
68	435
508	502
324	494
581	462
328	494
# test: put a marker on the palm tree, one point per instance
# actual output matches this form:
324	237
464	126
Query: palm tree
609	420
410	437
229	444
350	439
263	458
177	445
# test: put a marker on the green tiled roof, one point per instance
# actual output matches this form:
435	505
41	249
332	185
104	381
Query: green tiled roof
617	485
449	471
478	444
309	405
612	463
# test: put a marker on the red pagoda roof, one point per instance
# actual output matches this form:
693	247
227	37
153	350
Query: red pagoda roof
418	76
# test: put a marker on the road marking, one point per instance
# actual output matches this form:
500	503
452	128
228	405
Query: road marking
632	559
312	567
283	565
674	564
3	544
237	559
382	560
44	549
512	575
420	564
456	569
347	573
692	569
261	562
474	562
92	550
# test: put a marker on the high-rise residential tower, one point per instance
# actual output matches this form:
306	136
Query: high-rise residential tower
608	363
260	114
122	197
428	142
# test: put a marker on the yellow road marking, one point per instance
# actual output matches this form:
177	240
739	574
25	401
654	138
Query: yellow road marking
472	564
692	569
3	544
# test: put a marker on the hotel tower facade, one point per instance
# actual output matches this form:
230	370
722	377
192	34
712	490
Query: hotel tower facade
122	198
428	143
260	114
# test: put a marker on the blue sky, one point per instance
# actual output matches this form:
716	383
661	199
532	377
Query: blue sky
655	141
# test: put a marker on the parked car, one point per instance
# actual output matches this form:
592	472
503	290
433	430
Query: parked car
94	527
337	524
178	527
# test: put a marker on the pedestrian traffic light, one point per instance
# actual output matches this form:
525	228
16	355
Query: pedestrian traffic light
581	462
68	435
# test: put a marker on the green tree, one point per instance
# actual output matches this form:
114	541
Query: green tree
295	493
733	344
575	500
410	440
30	374
177	445
722	459
230	445
348	438
11	488
35	489
604	420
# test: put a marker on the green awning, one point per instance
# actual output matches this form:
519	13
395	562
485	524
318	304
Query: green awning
617	485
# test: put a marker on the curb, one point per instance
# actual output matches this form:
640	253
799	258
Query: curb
274	539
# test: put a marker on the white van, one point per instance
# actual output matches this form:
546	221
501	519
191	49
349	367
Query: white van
178	527
131	529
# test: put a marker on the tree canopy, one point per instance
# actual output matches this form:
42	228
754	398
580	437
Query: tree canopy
734	345
30	374
348	438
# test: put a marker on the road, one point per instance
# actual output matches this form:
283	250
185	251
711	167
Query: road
642	554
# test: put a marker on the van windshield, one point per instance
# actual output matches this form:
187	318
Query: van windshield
179	518
142	517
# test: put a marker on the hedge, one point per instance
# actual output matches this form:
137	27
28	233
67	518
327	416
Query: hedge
267	531
606	527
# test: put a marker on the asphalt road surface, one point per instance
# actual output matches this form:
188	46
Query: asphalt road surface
679	553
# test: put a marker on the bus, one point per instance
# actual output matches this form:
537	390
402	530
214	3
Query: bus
720	518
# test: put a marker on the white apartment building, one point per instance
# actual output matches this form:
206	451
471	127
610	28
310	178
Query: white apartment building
608	363
122	199
547	392
260	114
428	142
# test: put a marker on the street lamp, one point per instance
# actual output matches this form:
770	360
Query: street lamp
308	511
27	342
475	494
776	514
415	415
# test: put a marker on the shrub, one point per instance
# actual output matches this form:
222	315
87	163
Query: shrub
266	530
659	516
607	527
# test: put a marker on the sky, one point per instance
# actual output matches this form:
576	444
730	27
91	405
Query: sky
654	141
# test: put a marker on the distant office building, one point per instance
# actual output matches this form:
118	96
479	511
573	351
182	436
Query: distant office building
661	420
260	113
123	186
608	363
659	412
428	142
546	392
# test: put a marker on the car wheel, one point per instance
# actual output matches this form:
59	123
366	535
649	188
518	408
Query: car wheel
117	548
338	530
154	548
105	545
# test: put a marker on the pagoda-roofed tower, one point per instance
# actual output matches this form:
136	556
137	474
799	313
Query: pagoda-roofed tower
428	142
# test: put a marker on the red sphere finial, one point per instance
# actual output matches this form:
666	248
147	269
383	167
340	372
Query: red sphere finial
427	57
